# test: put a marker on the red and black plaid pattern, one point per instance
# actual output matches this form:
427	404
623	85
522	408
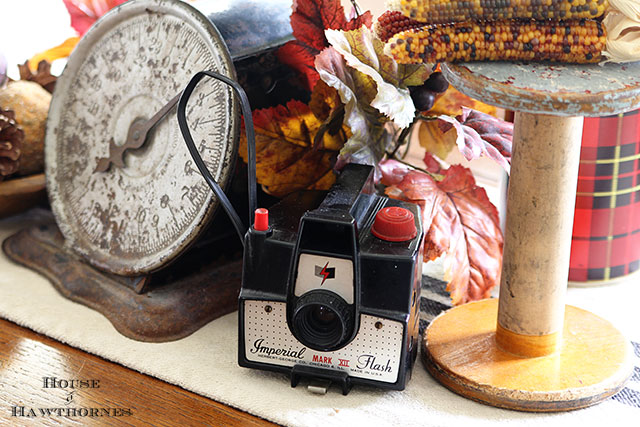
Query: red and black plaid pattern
606	229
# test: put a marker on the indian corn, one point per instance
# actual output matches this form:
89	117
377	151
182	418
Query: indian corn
447	11
392	22
575	41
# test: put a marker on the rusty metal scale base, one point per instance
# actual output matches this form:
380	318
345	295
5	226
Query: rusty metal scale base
164	306
123	188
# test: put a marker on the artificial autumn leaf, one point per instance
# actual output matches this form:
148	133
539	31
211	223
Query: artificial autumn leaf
496	132
325	182
311	17
372	87
324	100
477	134
436	141
42	76
462	225
393	172
85	12
63	50
363	20
325	104
286	159
451	103
364	52
369	137
308	21
298	57
432	164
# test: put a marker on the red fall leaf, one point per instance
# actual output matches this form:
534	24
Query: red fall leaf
432	164
365	19
85	12
393	172
297	56
308	21
460	223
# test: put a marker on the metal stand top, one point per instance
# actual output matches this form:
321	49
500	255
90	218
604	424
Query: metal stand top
545	88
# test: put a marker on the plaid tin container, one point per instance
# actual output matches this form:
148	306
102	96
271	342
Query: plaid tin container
606	229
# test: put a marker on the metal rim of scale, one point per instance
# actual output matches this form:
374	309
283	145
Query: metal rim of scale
137	219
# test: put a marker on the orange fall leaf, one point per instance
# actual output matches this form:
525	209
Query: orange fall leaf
286	158
452	101
63	50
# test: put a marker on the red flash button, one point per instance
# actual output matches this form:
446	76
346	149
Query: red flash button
394	224
261	219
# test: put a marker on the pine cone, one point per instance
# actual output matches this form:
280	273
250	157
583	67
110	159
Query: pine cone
11	137
30	102
42	76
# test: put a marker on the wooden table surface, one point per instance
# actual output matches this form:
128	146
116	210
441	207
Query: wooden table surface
109	394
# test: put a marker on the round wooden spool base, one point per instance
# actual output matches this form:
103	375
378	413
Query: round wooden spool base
593	363
559	358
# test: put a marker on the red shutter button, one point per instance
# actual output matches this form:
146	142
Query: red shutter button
394	224
261	219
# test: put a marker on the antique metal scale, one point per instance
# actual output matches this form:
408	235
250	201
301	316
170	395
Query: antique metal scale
140	212
124	191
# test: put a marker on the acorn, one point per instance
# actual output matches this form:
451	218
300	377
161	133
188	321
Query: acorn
422	97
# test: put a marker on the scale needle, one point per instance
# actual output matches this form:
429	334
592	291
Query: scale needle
136	138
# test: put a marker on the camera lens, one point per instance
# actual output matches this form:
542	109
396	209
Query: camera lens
321	324
322	320
323	316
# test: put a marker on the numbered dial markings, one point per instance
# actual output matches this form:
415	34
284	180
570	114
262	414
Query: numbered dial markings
135	219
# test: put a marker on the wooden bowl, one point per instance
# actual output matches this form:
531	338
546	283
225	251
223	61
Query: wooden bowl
20	194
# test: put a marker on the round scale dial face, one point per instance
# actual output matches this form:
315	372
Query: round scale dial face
137	218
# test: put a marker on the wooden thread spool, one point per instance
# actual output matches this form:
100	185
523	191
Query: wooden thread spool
538	238
539	355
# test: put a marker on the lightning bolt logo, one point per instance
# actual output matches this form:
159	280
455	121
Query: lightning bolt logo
325	272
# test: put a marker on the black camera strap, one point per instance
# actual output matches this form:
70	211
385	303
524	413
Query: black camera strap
251	143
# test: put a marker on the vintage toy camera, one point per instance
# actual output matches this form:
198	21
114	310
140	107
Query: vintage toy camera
331	286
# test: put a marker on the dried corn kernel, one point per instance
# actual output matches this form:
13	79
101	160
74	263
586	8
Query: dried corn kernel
392	22
576	41
447	11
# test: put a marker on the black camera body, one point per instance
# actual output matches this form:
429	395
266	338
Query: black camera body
331	286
